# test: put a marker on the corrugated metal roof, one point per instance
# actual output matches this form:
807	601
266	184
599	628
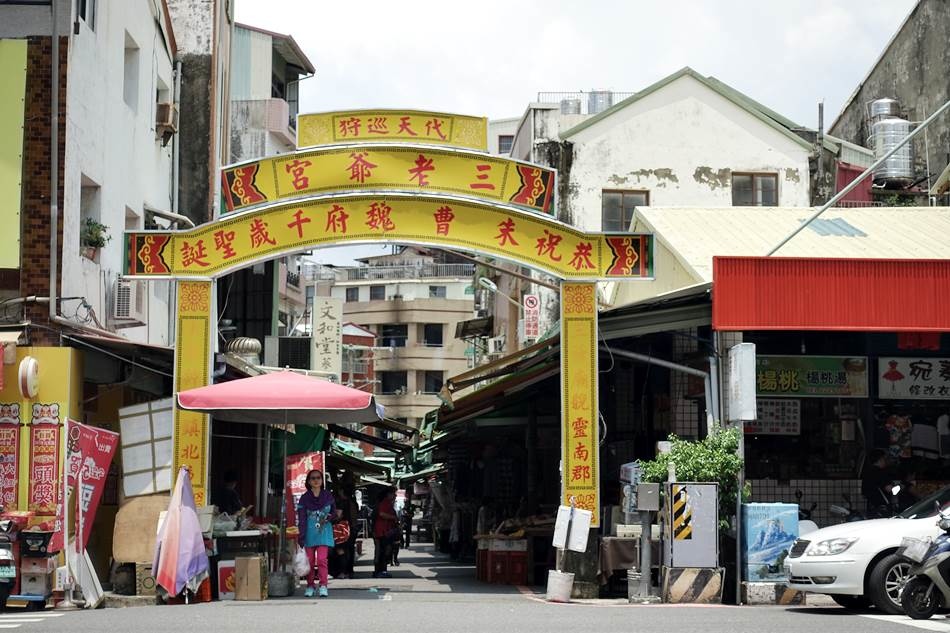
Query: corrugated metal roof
696	235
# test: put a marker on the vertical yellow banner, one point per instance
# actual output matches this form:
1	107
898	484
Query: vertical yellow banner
580	429
192	354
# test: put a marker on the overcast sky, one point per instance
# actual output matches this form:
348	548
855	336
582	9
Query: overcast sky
490	58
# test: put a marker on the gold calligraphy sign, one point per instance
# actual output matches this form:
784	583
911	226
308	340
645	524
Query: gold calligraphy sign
406	126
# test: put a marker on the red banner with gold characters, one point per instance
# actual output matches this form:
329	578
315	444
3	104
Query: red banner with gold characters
392	126
580	427
296	468
89	452
9	454
232	242
375	167
192	369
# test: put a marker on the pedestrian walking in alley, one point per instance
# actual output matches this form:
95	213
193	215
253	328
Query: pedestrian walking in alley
316	511
385	531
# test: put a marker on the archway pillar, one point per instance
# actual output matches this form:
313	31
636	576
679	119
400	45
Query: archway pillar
194	354
580	424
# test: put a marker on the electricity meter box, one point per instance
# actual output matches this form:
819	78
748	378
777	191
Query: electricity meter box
691	525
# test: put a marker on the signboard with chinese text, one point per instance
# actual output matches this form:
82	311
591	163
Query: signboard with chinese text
812	376
388	167
9	453
89	452
405	126
580	426
913	378
534	240
778	416
327	339
532	316
44	468
741	404
192	362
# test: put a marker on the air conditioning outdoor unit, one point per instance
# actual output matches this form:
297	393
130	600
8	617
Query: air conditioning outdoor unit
129	302
166	117
166	121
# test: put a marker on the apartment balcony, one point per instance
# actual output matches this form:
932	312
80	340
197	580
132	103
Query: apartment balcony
270	115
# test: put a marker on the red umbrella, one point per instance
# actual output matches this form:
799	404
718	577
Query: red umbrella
283	397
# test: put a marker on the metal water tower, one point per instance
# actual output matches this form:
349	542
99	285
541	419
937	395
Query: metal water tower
887	129
599	100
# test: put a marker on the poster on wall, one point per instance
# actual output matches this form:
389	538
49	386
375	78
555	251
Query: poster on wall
296	468
913	378
44	468
776	416
812	376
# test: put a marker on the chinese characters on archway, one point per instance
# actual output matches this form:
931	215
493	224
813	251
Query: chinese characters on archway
413	126
391	167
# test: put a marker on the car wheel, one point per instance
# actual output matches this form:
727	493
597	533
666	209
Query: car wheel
854	603
886	581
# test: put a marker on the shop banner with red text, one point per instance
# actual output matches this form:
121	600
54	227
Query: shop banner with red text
296	468
89	452
9	454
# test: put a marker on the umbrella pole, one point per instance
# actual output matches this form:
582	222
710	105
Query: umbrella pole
283	503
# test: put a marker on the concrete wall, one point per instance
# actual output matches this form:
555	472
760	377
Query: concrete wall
498	128
114	164
681	144
915	70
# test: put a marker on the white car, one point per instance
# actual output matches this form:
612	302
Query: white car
857	563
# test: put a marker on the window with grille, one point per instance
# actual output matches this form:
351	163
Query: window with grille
352	294
437	292
617	208
377	293
505	141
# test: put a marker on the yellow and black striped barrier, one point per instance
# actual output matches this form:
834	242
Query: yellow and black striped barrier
699	585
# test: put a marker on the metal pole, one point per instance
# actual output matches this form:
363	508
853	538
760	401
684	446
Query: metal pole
854	183
646	555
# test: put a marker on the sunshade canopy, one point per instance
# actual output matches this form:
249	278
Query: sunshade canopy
283	397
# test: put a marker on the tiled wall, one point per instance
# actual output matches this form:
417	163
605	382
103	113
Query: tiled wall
685	412
824	492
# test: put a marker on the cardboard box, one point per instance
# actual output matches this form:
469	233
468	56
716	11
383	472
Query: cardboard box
144	580
36	584
250	577
226	580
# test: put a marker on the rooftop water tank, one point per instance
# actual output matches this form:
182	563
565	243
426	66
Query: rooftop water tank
570	106
898	170
884	109
599	100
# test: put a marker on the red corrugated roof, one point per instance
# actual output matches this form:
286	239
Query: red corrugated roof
779	293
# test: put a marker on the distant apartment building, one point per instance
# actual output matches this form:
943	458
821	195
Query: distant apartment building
412	301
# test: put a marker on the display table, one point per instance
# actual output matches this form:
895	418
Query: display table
513	560
229	545
620	553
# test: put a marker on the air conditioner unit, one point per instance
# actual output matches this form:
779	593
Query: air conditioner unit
129	302
394	298
166	117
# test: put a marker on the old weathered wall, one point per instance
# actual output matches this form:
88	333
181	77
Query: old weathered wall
915	70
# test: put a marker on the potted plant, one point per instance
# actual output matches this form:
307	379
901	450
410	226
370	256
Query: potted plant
93	235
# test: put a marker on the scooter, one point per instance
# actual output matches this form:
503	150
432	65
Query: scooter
805	524
8	570
928	589
847	513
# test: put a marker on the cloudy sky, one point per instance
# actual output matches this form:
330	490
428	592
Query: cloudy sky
490	58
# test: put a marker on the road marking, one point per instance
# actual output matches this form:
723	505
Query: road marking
939	624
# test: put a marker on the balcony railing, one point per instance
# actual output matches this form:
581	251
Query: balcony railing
293	279
422	271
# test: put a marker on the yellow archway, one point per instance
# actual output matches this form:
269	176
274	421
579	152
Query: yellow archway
391	191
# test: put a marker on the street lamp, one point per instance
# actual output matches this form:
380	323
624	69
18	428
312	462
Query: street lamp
490	285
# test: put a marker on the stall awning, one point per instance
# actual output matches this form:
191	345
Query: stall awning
394	426
154	358
421	474
340	460
381	442
869	295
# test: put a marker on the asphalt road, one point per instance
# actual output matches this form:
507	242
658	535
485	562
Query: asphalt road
430	594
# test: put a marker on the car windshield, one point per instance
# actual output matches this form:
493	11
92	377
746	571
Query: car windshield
926	508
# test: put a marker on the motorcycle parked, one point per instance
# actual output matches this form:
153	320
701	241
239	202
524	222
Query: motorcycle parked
8	570
928	587
846	513
805	524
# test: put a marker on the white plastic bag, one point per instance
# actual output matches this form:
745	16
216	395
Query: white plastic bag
301	564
